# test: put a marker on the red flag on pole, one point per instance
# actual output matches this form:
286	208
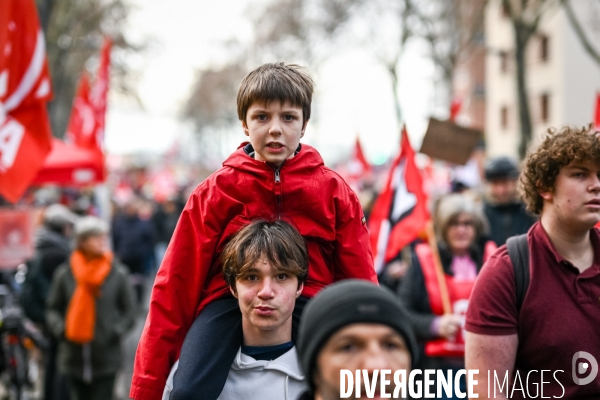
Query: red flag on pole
82	124
87	122
400	212
358	166
597	113
25	136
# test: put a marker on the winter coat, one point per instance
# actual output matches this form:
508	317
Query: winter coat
303	191
414	296
51	250
115	315
133	241
250	379
507	220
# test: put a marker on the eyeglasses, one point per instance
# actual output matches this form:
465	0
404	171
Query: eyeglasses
463	223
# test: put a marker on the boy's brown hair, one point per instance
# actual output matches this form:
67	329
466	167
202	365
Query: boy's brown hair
279	241
559	149
276	81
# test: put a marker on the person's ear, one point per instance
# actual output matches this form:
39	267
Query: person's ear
233	291
245	127
299	291
303	128
546	194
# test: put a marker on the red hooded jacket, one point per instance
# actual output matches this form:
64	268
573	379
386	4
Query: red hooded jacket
304	192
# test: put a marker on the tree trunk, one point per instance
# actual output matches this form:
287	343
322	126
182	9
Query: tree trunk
522	35
45	11
397	106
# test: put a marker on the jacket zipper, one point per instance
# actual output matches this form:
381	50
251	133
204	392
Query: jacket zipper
278	191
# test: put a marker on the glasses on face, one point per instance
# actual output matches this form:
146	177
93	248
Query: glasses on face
466	223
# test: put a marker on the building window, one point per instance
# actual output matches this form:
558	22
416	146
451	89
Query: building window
544	48
504	117
479	91
503	62
545	108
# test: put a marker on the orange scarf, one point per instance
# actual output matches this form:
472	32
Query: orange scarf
81	312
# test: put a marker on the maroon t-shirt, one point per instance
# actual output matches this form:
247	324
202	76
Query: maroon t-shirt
560	316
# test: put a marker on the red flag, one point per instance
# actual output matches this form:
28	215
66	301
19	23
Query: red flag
597	114
25	136
455	107
400	212
82	124
358	166
87	123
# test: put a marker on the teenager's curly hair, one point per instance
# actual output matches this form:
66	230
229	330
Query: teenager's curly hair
559	148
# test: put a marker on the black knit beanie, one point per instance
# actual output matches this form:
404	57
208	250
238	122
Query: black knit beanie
344	303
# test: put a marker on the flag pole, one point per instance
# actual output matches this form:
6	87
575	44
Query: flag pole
439	269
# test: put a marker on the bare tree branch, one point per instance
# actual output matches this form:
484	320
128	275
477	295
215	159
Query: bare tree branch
587	44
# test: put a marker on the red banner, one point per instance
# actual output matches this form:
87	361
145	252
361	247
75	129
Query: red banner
24	90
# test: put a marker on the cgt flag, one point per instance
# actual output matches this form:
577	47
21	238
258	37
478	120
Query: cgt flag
87	122
400	212
25	136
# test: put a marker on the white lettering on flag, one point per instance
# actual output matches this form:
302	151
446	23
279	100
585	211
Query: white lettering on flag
11	135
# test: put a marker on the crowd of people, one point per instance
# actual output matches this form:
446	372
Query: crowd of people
266	287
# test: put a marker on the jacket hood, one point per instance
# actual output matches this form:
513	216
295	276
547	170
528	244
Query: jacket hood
306	155
47	238
287	363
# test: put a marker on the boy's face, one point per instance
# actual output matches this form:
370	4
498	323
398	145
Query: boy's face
360	346
267	297
575	200
274	130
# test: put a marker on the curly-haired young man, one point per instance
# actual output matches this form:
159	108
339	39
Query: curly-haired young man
547	346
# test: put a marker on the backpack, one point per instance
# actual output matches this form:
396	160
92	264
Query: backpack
518	251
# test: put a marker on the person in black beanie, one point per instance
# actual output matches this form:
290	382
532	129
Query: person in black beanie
352	324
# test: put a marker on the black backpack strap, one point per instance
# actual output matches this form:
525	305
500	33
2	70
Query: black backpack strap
518	251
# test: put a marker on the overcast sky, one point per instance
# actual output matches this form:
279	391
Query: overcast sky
353	92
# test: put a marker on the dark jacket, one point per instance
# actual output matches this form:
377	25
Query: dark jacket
51	250
413	292
133	241
164	223
507	220
115	314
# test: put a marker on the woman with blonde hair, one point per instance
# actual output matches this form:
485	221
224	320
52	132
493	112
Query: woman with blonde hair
89	309
436	289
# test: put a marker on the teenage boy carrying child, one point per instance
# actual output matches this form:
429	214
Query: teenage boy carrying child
265	265
272	177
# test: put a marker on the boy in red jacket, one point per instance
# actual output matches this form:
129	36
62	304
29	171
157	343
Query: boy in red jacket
272	177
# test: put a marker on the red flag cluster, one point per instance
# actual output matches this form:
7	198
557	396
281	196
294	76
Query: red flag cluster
25	136
400	212
81	162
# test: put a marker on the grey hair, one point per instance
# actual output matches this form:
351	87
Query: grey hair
89	226
448	209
